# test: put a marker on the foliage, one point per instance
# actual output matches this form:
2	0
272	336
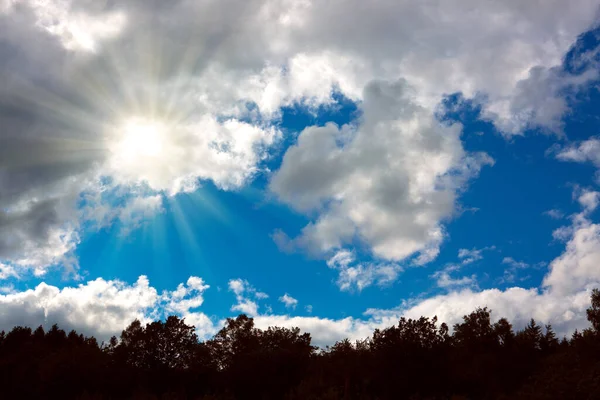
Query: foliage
417	359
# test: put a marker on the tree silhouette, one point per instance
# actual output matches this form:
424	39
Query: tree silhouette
593	312
416	359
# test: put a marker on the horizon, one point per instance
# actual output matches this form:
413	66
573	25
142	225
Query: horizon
330	166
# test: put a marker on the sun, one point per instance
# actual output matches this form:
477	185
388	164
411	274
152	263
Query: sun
143	150
140	139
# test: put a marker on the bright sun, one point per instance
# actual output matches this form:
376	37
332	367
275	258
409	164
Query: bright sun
141	150
140	139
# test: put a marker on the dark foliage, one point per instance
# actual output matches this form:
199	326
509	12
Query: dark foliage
413	360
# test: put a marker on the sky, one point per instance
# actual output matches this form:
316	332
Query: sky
331	165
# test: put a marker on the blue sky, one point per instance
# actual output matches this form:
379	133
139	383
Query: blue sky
401	172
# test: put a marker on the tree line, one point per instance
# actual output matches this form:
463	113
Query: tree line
417	359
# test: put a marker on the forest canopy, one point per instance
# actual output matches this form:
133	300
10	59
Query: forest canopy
479	358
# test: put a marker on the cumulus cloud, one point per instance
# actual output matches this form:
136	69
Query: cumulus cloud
237	286
75	30
139	209
584	151
212	78
356	275
62	135
261	295
6	271
576	268
100	307
323	331
246	296
186	297
515	267
517	304
561	300
589	200
538	101
288	301
104	307
468	256
246	306
444	280
225	152
390	181
514	263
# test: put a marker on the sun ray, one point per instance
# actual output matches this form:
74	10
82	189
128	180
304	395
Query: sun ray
182	224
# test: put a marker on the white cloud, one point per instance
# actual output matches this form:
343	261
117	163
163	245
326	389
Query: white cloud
359	275
554	214
6	271
100	307
406	39
323	331
63	138
237	286
186	297
75	30
288	301
589	200
514	263
468	256
138	210
444	280
246	306
512	272
225	152
517	304
261	295
561	301
563	233
577	268
38	229
104	307
243	291
7	289
221	82
584	151
538	101
389	182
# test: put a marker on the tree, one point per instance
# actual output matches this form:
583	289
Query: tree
530	338
237	338
159	345
549	342
414	360
593	312
266	362
475	330
504	333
